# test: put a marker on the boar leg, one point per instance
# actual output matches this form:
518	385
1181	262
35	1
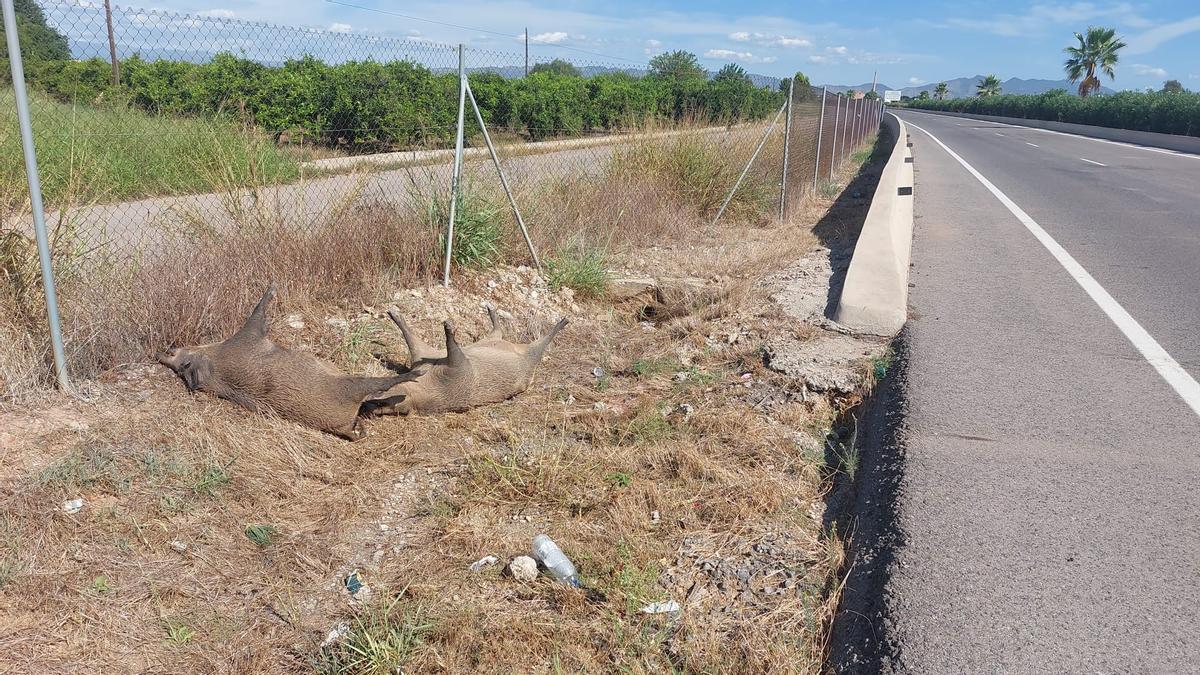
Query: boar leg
454	354
538	349
496	333
256	323
417	349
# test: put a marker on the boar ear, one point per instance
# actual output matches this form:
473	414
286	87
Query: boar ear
256	323
196	372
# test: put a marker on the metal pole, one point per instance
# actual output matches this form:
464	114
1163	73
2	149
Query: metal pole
458	154
526	51
35	192
752	158
503	181
112	44
787	139
820	131
837	117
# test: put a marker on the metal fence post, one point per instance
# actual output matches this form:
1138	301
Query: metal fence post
487	138
820	132
458	154
787	140
35	193
837	118
746	170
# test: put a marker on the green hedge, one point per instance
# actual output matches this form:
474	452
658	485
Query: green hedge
366	105
1168	113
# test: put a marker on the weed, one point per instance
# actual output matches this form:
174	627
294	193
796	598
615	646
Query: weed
213	477
179	633
828	189
880	364
650	367
82	469
478	225
100	585
382	639
619	479
261	535
648	426
580	269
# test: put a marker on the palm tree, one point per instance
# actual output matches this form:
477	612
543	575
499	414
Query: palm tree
988	86
941	91
1097	49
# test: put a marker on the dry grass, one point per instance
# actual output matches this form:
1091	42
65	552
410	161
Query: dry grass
157	573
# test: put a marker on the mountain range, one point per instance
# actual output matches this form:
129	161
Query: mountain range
961	87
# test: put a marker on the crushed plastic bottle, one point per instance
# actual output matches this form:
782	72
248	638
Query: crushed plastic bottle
554	560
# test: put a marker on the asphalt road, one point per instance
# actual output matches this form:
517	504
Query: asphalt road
1046	476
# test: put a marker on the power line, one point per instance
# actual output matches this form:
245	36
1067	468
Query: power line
479	30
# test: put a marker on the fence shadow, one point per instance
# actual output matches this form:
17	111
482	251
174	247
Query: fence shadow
838	229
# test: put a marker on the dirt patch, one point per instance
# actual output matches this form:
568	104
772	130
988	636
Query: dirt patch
659	451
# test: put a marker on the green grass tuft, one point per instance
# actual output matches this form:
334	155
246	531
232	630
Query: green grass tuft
381	639
261	535
582	270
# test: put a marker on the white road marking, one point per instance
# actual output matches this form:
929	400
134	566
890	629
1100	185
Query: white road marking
1161	151
1032	145
1170	370
1092	161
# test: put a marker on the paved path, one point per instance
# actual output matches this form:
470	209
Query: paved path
1047	472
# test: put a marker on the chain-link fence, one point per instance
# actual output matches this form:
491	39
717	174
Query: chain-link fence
185	160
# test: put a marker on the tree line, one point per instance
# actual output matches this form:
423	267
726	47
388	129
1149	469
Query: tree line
369	105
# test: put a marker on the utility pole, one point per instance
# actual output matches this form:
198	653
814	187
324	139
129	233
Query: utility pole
112	44
526	51
874	79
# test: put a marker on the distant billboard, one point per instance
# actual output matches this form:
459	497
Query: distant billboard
890	95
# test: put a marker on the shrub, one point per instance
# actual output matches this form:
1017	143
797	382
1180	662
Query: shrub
1162	112
583	270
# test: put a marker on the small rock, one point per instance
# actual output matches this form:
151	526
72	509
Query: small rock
686	410
179	546
340	324
486	561
295	321
492	283
599	406
377	557
569	399
597	372
681	376
523	568
339	631
567	293
655	516
505	314
383	527
73	505
746	376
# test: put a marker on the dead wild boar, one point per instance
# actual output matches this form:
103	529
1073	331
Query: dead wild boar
457	378
255	373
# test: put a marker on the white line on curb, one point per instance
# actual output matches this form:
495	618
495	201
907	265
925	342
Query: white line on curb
1089	161
1170	370
1161	151
1034	145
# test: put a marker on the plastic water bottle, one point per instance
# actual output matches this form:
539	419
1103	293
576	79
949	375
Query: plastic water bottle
551	556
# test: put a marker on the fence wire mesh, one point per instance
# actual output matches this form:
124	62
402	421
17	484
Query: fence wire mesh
218	154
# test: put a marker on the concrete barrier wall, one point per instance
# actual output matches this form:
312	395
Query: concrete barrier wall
1147	138
875	295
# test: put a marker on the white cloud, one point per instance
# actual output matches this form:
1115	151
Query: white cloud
339	28
745	57
1150	40
915	80
817	58
1143	69
740	36
785	41
836	50
552	38
218	13
1039	19
652	47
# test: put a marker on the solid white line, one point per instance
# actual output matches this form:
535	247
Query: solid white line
1161	151
1034	145
1170	370
1092	162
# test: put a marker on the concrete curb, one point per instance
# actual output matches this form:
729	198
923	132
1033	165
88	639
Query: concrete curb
1150	139
875	295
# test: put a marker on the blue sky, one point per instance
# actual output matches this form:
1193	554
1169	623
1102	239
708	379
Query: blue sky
909	43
